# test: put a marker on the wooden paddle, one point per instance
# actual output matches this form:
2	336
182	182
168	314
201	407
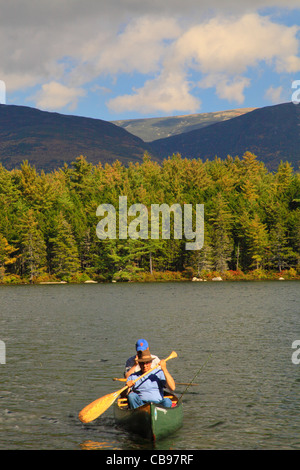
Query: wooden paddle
99	406
121	379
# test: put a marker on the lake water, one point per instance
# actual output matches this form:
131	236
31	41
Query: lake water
65	343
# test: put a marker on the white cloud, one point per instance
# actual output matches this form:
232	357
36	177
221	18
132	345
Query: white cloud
139	48
289	64
234	44
227	88
274	94
63	46
220	51
55	96
167	93
232	91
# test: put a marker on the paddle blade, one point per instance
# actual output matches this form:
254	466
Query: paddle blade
97	407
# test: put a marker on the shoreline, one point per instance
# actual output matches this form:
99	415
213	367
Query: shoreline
232	276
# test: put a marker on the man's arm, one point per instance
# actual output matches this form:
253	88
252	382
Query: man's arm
132	369
170	383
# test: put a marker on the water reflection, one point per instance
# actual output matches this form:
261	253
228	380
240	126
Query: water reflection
94	445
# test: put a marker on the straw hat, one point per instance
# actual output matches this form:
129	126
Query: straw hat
144	356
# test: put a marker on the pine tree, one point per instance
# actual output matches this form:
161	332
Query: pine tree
7	253
281	254
33	254
222	242
81	179
203	260
294	238
63	249
251	176
257	241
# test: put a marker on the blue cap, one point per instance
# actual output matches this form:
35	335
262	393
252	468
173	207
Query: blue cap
141	345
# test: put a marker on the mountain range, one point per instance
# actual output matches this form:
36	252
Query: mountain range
48	140
150	129
272	133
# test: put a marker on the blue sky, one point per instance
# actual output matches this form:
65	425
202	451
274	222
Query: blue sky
126	59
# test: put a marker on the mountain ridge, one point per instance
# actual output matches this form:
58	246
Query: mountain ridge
48	139
149	129
272	133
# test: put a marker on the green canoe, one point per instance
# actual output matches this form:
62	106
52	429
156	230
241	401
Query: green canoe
150	421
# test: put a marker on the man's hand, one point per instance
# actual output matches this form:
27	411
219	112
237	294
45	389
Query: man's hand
163	365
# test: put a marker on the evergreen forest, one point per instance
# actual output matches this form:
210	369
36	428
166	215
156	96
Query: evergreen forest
48	221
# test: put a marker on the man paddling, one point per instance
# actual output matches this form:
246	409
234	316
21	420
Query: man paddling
151	387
